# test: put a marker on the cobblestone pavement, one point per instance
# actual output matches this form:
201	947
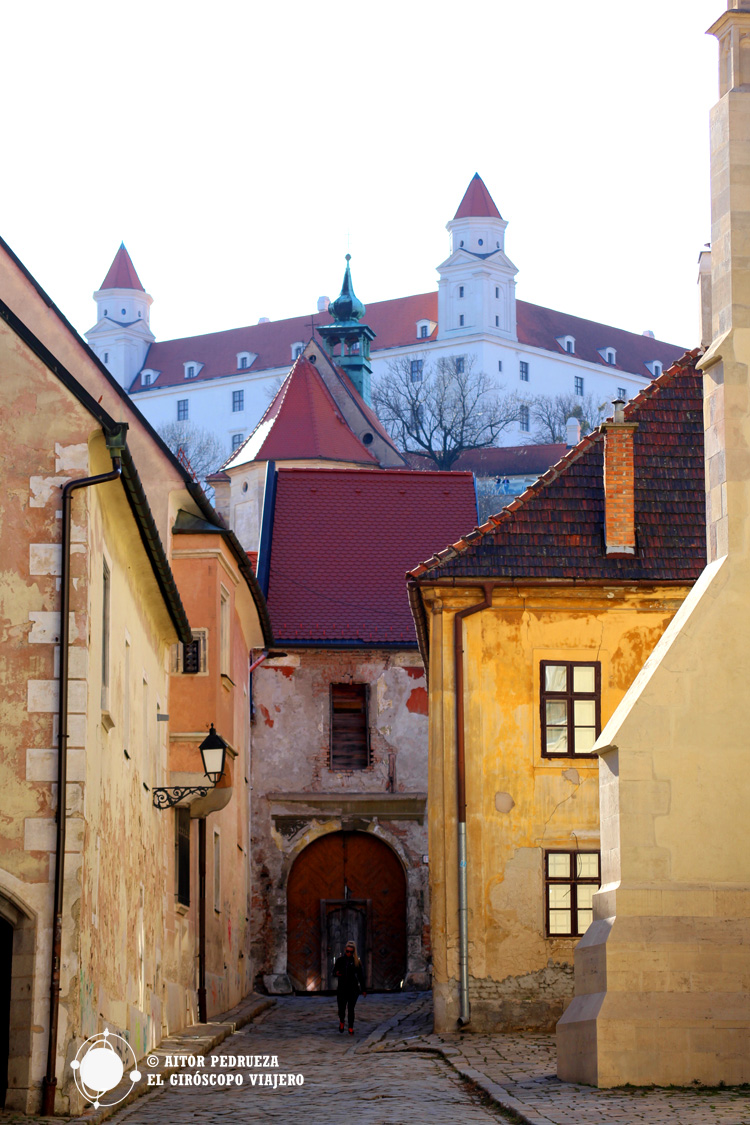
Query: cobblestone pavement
520	1072
344	1080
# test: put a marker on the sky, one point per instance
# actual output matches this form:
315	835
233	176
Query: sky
240	149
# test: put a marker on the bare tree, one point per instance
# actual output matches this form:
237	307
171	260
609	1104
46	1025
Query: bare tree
201	450
440	409
550	414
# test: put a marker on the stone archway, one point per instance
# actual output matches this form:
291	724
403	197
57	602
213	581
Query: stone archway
346	884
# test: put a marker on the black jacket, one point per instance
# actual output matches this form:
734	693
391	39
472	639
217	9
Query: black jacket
351	977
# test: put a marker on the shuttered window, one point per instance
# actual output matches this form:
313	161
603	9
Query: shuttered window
350	733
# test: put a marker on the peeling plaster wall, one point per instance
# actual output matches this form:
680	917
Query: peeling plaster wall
291	754
518	803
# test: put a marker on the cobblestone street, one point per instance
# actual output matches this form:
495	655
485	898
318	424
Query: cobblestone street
344	1081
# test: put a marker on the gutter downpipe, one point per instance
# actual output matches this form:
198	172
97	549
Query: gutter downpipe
49	1083
464	1016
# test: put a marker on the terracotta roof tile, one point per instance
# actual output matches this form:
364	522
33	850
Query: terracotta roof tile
555	528
342	540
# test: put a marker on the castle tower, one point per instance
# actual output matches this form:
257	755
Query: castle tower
121	336
661	973
354	338
477	287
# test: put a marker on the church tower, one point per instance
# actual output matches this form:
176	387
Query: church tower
121	336
477	287
355	338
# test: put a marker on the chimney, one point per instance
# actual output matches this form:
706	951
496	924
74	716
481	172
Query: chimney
704	293
323	303
619	483
572	432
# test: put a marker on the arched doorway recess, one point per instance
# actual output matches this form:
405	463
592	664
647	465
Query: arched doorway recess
346	885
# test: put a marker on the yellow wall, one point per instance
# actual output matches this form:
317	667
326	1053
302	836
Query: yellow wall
518	976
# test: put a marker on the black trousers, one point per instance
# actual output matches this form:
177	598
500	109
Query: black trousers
347	1000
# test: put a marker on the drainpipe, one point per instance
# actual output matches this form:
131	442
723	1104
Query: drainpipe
463	906
115	441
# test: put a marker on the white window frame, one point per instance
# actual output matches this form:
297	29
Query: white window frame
297	349
148	377
192	368
249	358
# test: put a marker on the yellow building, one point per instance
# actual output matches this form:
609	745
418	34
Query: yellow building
532	628
92	932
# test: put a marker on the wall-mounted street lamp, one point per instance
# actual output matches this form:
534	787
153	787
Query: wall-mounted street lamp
213	752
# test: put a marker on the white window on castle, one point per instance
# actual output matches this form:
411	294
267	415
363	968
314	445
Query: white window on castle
460	363
189	370
461	321
182	410
416	370
237	440
578	384
523	419
423	331
460	290
523	371
622	393
238	401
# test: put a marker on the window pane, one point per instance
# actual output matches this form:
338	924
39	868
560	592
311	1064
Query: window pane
557	740
559	896
557	713
558	865
585	918
559	921
585	739
584	678
586	895
555	677
588	865
584	711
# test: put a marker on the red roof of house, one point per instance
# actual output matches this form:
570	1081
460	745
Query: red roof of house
121	274
303	422
477	202
509	461
341	541
554	529
395	325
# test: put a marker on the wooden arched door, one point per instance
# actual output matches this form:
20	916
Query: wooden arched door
347	885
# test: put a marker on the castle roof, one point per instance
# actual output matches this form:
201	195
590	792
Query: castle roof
477	202
121	274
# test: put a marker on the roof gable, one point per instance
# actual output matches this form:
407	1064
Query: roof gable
554	530
341	541
121	274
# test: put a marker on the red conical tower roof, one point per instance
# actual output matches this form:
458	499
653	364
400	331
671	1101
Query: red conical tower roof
477	202
122	273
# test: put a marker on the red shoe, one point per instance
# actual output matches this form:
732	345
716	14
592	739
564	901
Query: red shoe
341	1027
351	1031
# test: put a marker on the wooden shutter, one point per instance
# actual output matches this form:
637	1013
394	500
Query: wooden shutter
350	733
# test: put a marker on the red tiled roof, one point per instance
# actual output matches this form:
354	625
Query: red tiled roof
554	528
394	323
341	541
121	274
477	202
510	461
303	422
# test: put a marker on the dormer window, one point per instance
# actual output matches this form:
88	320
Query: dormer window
567	343
297	350
244	360
423	331
148	376
609	355
425	328
192	368
655	367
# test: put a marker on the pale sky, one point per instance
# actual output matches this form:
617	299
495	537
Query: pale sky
240	149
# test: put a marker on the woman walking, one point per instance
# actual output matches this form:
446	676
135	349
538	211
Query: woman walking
351	981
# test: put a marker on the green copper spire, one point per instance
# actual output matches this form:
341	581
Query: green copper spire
347	308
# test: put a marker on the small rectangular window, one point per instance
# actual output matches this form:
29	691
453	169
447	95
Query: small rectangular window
238	401
423	331
243	361
190	371
350	732
182	410
460	290
570	882
497	291
578	384
416	370
461	321
497	322
523	417
182	855
569	346
523	371
622	393
106	357
570	708
499	365
237	440
460	364
191	659
146	379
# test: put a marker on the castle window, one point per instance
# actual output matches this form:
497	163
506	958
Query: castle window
460	364
497	322
237	440
578	384
238	401
610	355
106	357
481	242
570	708
146	379
182	410
189	370
124	312
523	418
297	350
497	291
655	367
523	371
570	881
460	290
416	370
461	321
567	343
244	359
350	732
499	365
622	393
423	331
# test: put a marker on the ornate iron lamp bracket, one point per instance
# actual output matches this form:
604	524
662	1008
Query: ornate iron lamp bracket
166	798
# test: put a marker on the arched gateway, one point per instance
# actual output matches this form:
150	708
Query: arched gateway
346	885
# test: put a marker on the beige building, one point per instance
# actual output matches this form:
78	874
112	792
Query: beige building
91	930
532	627
662	974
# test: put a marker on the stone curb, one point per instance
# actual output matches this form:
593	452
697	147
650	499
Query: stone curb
388	1025
198	1039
